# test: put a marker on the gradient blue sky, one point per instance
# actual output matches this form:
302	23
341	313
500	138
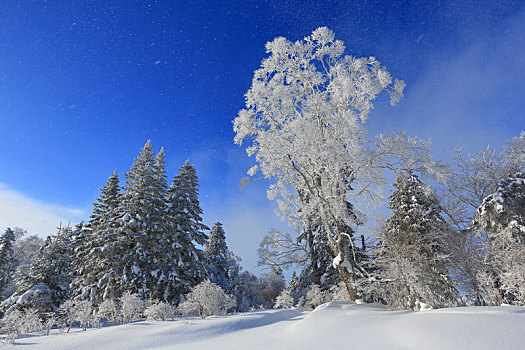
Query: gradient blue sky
84	84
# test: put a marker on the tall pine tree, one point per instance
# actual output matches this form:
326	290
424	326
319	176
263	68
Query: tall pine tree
186	230
142	220
6	260
97	262
222	265
411	256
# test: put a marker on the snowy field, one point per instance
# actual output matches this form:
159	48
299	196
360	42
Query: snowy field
333	325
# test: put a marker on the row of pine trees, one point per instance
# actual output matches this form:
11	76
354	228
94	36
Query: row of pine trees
144	237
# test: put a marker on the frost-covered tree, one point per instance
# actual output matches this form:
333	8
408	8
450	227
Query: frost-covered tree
245	290
304	122
97	255
513	154
143	225
109	310
412	258
472	178
207	299
131	307
17	323
185	232
50	274
160	311
222	265
502	217
6	260
25	250
284	300
83	313
314	297
271	284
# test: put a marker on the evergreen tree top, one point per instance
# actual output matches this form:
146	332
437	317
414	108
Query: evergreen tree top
217	241
6	246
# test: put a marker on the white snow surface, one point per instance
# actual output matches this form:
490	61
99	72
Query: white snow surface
336	325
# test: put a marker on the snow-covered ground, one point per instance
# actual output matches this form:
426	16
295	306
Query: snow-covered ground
335	325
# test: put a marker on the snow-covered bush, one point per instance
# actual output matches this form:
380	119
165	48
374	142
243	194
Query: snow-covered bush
66	314
284	300
17	323
50	320
339	292
206	299
12	326
83	313
160	311
314	297
131	306
109	309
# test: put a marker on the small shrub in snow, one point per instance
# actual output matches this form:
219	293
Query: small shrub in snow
206	299
17	323
339	292
109	309
83	313
301	302
131	306
12	326
314	297
284	300
50	320
160	311
66	313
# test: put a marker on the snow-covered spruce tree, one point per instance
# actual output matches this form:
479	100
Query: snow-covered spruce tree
304	121
411	258
142	225
207	299
222	265
97	258
502	217
6	260
185	230
46	284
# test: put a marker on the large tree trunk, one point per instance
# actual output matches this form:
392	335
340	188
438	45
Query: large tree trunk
348	279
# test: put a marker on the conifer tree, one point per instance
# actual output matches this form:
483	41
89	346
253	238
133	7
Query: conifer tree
411	257
52	267
6	259
222	265
97	248
142	208
185	230
502	217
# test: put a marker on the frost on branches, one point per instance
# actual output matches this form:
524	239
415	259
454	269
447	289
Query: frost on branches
412	257
207	299
304	121
502	217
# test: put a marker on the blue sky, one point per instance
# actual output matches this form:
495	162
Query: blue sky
84	84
